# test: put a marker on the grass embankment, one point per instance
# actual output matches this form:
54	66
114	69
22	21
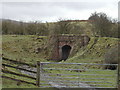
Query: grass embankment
94	51
33	48
26	48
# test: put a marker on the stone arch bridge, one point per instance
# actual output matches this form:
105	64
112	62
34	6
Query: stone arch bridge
64	45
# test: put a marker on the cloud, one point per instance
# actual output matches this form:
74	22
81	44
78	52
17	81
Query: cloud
30	9
119	11
50	11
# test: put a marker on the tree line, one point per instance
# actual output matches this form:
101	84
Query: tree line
22	28
103	25
100	25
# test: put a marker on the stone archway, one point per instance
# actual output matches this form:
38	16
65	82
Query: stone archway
63	45
65	52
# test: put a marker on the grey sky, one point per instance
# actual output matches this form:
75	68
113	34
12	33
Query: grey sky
119	11
52	11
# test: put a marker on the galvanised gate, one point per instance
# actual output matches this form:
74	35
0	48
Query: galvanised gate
77	75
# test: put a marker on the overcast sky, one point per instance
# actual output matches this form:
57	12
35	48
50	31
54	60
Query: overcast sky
52	10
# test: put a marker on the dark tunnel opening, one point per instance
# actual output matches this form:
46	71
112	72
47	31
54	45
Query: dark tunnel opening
65	52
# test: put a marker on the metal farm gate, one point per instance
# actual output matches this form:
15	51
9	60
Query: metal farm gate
77	75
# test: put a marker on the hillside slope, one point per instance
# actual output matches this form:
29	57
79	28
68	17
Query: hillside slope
26	48
31	48
94	51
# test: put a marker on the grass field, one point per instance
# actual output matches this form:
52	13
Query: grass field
31	48
24	48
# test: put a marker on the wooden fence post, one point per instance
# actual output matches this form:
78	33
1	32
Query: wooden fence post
38	74
118	72
118	66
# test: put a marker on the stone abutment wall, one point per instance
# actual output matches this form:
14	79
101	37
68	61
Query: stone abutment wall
64	45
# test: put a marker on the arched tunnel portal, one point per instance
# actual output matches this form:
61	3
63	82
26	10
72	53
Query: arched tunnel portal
64	45
65	52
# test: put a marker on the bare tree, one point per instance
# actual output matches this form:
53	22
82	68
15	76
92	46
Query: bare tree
101	24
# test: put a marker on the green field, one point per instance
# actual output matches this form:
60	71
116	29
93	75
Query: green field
31	48
23	48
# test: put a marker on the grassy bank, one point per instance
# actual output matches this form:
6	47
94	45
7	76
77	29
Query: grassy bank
31	48
94	51
26	48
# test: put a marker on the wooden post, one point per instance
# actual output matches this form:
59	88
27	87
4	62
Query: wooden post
38	74
118	48
118	70
118	77
118	65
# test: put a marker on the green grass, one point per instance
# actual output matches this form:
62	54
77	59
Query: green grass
94	53
83	75
13	84
6	83
23	48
